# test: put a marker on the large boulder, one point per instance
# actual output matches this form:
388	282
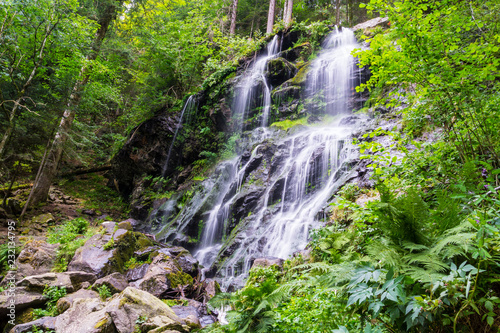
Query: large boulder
105	253
115	283
65	302
72	281
163	275
370	24
36	257
119	314
23	299
279	70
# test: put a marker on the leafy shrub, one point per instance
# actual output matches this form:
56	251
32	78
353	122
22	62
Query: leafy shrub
71	235
53	294
104	292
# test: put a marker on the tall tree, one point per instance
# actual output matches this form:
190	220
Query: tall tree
270	16
234	10
288	13
48	167
34	43
337	12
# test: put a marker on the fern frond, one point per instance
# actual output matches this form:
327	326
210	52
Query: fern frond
427	260
410	246
456	241
222	300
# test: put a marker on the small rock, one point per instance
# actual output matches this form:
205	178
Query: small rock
115	282
137	273
267	262
189	314
89	212
65	303
211	287
42	324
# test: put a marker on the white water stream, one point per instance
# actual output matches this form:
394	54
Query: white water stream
189	106
248	92
285	189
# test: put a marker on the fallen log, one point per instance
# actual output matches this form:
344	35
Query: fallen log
86	171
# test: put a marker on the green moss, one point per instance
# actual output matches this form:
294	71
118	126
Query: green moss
142	241
102	323
109	245
287	124
300	78
174	302
179	279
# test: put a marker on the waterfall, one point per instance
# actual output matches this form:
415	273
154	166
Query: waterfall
252	83
189	106
265	202
332	78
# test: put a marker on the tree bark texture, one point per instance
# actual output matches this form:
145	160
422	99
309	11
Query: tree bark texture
337	12
49	169
270	16
234	10
288	13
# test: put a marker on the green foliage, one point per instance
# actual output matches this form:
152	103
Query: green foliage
53	294
104	292
96	194
4	256
286	124
71	235
229	147
448	71
109	244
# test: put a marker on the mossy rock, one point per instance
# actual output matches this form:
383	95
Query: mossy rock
279	70
180	279
142	241
300	78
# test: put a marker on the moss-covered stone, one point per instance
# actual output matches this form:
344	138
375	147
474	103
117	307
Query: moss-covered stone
142	241
179	279
279	70
300	78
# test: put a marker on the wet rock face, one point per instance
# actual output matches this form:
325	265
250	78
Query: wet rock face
144	152
279	70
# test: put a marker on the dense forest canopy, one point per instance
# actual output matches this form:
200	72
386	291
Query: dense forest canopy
153	54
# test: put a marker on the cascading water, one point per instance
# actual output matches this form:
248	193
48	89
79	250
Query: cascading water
265	201
251	85
188	109
332	78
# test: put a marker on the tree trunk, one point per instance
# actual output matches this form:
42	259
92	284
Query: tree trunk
337	12
48	170
270	16
288	13
234	10
22	92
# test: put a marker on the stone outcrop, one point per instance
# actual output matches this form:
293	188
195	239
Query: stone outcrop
162	276
105	253
72	281
115	283
119	314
